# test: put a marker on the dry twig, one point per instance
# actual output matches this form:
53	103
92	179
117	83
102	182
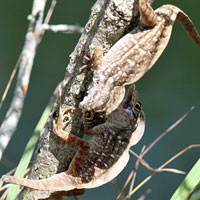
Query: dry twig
145	151
63	28
25	61
161	167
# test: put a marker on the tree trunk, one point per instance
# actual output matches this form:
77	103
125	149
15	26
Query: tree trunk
108	22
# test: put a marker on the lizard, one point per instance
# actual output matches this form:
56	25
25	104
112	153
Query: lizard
159	25
102	157
132	56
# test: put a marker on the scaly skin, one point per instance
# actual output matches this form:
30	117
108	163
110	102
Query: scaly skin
132	56
99	159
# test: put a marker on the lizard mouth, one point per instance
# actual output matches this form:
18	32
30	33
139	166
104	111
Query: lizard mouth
132	104
128	110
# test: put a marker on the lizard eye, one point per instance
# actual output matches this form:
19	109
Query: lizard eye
136	110
88	115
138	106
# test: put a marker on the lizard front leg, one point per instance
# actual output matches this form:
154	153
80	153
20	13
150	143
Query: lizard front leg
108	153
84	146
95	58
64	181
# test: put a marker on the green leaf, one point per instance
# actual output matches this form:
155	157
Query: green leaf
189	184
24	162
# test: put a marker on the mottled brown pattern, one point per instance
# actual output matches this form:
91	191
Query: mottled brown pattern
109	139
114	125
133	55
99	154
106	148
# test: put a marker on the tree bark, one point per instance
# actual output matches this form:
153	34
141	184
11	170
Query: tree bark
108	22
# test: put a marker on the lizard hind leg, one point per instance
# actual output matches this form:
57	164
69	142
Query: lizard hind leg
150	18
95	58
147	14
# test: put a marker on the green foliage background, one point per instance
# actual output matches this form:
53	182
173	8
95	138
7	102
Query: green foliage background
167	91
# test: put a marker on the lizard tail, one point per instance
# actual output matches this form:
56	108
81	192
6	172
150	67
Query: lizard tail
58	182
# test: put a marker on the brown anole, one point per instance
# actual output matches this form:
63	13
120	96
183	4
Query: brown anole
132	56
126	62
101	158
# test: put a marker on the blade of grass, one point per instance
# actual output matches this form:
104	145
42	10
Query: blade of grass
25	196
10	81
24	162
189	184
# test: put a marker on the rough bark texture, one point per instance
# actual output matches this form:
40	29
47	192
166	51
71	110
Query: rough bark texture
108	22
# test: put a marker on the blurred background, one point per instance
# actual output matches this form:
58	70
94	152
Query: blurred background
167	91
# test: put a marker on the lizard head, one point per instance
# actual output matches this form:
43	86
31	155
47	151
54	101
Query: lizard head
129	114
132	103
133	106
